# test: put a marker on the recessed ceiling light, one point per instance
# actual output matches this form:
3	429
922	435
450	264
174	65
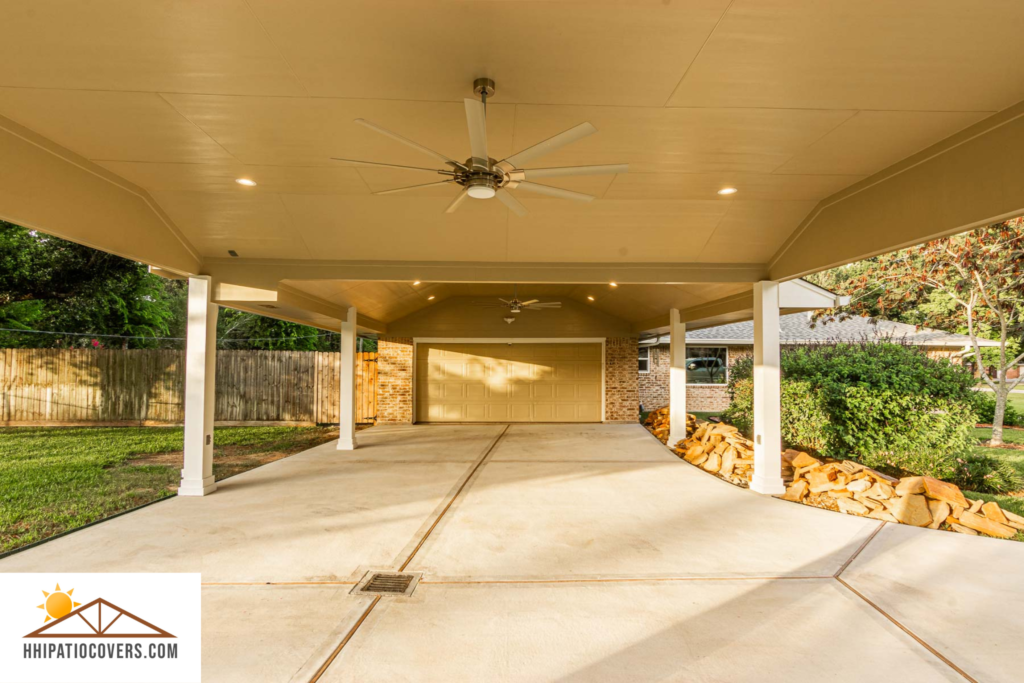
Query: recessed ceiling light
415	283
245	181
590	298
728	190
613	284
430	298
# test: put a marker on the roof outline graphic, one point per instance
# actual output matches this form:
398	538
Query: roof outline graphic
99	631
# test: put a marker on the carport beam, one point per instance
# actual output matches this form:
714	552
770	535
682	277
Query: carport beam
677	379
200	381
347	402
767	391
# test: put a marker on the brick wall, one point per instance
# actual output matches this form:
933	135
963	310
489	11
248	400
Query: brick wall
394	380
622	395
654	385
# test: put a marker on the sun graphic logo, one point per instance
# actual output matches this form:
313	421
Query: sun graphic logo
58	603
100	618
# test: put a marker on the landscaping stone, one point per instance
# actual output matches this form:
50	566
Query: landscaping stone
840	485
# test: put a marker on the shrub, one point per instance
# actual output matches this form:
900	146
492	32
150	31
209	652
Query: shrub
985	474
888	405
985	406
803	413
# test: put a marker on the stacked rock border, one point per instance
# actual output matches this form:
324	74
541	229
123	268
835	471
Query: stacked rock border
840	485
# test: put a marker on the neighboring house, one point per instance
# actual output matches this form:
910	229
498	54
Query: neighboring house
712	351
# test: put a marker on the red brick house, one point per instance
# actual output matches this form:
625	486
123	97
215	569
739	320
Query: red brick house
714	350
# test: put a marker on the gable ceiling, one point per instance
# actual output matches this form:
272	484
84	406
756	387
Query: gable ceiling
790	101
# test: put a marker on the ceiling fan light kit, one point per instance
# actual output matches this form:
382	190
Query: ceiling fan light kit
480	176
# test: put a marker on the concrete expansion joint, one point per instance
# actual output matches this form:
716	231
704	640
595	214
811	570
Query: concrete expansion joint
920	641
366	613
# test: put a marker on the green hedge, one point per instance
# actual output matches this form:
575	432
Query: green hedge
887	405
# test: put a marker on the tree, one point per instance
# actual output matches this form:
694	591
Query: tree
47	283
975	279
52	285
241	330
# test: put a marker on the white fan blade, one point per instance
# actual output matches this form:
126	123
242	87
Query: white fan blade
556	192
506	198
551	144
606	169
476	119
414	187
374	163
548	304
504	301
407	141
531	301
458	200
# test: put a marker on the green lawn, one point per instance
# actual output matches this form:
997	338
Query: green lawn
1015	400
53	479
1015	457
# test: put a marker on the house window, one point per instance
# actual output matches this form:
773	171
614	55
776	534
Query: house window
645	359
707	364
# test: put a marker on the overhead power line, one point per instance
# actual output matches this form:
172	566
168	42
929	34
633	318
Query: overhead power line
125	336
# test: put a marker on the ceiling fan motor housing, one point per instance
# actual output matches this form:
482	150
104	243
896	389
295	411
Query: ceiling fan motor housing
481	187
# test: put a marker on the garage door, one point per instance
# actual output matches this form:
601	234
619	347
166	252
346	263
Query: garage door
508	382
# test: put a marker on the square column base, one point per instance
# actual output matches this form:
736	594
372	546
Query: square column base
770	486
197	487
346	443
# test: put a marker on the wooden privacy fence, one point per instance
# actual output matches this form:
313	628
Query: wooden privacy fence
146	387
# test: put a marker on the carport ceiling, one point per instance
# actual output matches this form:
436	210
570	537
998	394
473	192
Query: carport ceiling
788	100
389	301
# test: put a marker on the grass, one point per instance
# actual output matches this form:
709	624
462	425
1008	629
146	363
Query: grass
1013	456
1015	400
53	479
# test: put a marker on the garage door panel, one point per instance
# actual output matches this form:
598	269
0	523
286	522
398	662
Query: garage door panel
565	391
508	383
519	392
543	391
543	371
476	412
452	390
521	412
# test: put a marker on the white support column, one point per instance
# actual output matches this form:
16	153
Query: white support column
677	379
347	403
200	381
767	391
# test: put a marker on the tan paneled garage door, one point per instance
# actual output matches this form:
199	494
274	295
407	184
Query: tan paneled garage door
504	382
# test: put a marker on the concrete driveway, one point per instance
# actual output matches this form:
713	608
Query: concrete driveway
557	553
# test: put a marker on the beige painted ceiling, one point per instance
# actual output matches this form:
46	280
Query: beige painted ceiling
389	301
790	101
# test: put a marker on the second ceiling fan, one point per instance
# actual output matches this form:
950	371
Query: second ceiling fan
481	177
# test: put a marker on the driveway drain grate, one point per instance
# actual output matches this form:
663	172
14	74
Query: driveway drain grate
388	583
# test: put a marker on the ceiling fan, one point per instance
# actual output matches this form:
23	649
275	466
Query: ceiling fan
480	176
515	305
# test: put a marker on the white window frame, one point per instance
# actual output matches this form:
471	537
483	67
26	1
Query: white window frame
648	359
727	368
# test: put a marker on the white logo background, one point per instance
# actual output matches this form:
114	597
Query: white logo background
170	601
